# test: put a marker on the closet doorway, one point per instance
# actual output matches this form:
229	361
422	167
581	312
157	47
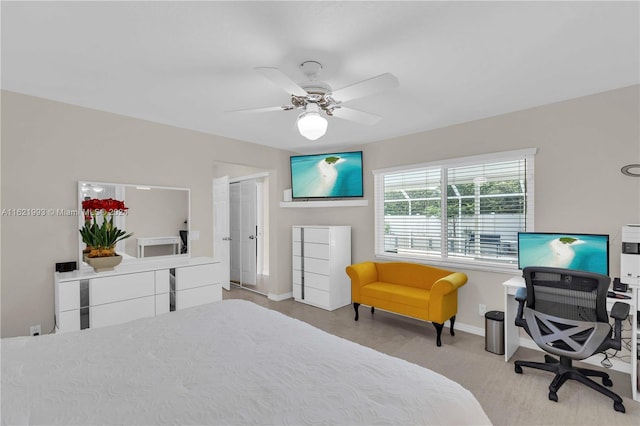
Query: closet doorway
247	212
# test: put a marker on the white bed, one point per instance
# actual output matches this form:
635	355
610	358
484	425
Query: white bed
229	362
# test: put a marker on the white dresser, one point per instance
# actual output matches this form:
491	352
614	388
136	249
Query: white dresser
87	299
320	256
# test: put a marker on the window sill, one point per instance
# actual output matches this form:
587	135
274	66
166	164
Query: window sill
498	268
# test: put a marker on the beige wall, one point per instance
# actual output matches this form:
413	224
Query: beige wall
582	144
47	147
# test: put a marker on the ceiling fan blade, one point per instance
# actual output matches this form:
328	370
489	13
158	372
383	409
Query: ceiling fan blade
355	115
282	80
365	87
263	109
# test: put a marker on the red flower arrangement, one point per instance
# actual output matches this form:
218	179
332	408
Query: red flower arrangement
101	238
108	205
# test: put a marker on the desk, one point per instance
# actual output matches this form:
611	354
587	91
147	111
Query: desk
512	339
158	241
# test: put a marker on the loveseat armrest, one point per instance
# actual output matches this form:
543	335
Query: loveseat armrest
448	284
443	303
361	274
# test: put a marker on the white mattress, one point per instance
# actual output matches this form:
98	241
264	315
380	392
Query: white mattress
229	362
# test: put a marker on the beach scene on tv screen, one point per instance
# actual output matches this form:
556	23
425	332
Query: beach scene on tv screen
327	175
580	252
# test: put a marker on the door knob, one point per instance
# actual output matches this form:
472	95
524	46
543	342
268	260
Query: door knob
251	237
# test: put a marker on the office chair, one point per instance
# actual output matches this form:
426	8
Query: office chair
184	237
565	313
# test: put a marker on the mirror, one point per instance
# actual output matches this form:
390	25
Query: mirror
158	217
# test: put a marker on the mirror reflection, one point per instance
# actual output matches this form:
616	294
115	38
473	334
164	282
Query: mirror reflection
157	216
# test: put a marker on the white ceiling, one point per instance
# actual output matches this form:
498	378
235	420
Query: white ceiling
186	63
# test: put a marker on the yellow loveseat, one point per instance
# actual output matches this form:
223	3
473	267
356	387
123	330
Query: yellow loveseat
410	289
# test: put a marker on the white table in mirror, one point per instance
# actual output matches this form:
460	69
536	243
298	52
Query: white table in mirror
172	243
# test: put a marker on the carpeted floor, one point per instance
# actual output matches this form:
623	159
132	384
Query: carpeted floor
507	398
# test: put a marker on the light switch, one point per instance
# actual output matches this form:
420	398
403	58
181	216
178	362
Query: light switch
195	235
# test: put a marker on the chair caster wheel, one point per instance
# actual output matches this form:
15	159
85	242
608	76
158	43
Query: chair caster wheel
607	382
553	396
518	369
618	407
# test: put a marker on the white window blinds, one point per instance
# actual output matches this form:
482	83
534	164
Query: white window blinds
467	210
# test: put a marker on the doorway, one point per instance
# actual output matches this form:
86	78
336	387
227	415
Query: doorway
247	211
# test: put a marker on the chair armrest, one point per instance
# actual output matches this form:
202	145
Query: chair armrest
620	311
521	298
521	295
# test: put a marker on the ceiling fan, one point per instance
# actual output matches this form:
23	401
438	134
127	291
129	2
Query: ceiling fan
314	96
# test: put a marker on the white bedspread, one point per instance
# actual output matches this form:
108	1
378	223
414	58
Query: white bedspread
230	362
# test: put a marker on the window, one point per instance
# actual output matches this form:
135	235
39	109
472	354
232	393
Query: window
467	210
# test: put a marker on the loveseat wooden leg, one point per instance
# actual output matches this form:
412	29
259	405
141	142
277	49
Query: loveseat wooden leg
355	308
372	309
438	327
452	320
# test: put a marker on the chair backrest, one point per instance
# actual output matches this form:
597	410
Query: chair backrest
566	293
566	310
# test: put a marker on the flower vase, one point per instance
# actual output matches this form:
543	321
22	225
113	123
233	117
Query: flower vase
102	264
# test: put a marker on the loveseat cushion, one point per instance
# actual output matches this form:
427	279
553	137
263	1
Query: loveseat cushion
395	293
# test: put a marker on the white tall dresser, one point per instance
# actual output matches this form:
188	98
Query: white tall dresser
320	256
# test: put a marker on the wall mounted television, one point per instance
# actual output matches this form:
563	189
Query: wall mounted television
330	175
583	252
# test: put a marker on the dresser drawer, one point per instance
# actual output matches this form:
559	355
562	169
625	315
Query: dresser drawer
68	321
317	235
198	296
297	291
317	266
196	276
320	282
312	296
121	287
316	297
68	295
123	311
163	303
318	251
163	281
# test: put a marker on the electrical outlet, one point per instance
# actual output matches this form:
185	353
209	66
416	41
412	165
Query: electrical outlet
482	309
35	330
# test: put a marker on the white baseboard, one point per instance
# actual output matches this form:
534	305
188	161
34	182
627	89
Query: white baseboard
280	297
467	328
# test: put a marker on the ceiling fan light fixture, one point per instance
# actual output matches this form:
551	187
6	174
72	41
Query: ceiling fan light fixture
311	124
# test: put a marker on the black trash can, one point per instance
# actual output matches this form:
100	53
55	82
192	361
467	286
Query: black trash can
494	332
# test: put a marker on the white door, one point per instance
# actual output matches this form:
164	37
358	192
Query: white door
221	235
234	232
248	230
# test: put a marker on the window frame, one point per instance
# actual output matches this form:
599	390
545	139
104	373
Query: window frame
442	259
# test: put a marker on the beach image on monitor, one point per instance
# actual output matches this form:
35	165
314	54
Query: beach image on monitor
327	175
571	251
